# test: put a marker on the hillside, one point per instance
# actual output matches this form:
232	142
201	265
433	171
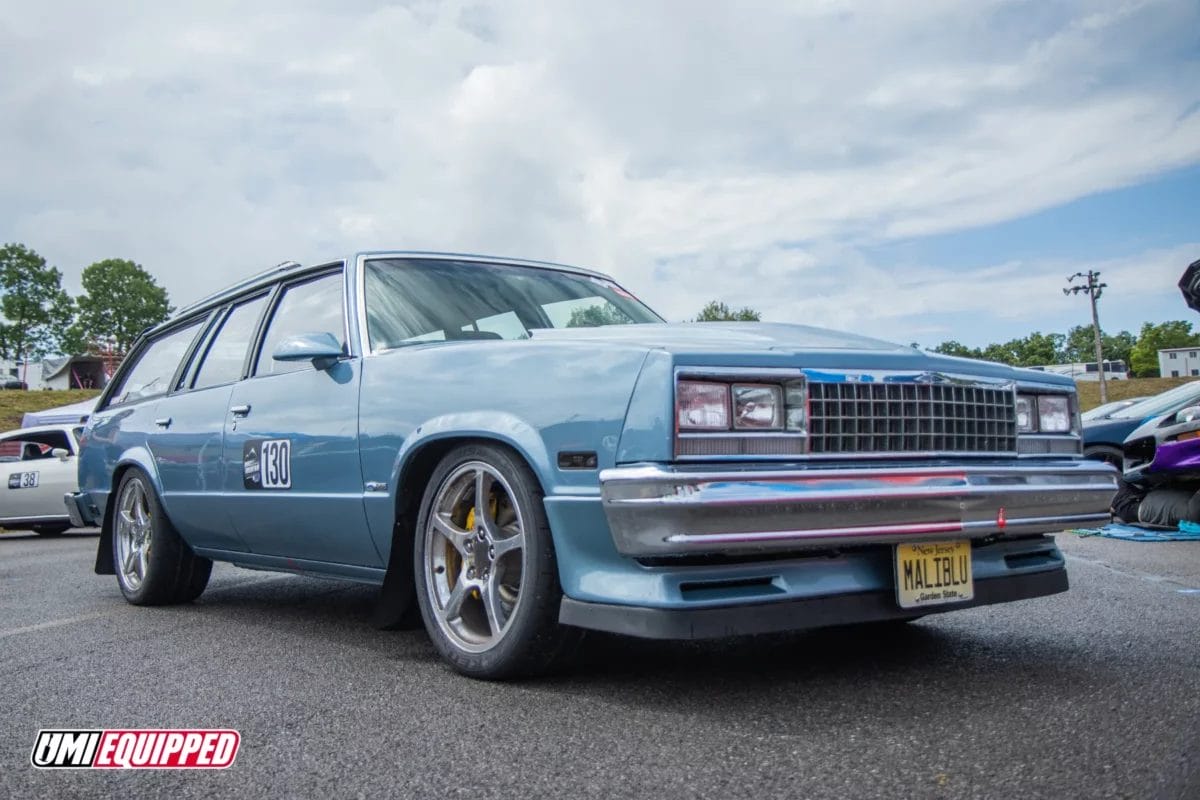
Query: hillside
1089	391
14	404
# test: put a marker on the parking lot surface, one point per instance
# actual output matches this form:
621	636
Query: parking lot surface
1093	693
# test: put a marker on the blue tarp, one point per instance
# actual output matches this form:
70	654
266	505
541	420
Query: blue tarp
1187	532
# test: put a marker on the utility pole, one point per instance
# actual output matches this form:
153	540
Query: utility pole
1093	288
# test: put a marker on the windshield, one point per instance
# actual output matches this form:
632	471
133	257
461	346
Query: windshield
414	300
1178	397
1102	412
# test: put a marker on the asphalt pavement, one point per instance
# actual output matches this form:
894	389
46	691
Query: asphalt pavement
1094	693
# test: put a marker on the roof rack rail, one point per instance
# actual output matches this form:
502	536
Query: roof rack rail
282	266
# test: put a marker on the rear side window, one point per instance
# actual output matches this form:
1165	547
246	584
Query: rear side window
156	364
312	307
227	353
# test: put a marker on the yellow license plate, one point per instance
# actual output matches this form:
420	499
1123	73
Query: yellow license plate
932	573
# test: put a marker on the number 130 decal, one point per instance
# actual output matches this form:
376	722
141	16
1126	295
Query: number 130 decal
267	464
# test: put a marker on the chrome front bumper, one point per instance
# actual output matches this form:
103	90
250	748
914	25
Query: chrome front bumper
657	510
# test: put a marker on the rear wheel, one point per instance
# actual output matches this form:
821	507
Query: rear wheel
487	580
154	565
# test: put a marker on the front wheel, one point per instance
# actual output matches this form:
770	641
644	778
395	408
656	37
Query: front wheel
486	576
154	565
1105	453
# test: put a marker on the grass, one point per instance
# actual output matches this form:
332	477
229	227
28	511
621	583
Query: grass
14	404
1089	391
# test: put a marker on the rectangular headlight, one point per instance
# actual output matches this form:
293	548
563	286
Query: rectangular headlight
757	406
1025	411
702	406
1054	413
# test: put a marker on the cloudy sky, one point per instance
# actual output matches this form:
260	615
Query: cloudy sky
917	171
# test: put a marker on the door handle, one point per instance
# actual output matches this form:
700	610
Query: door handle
240	411
163	422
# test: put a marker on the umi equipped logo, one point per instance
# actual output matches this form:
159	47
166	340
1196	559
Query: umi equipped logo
154	748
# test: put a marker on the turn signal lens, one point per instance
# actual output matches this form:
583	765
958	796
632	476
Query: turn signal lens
1054	413
797	406
702	406
757	407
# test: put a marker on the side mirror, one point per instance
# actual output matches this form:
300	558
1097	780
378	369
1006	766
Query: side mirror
61	453
322	349
1188	414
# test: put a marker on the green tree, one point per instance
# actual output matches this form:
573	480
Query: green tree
36	309
717	311
1004	353
1144	356
598	315
1081	345
1119	347
956	348
120	299
1037	349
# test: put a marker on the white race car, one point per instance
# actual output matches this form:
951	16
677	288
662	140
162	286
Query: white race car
37	467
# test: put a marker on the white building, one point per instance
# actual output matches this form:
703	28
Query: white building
1179	362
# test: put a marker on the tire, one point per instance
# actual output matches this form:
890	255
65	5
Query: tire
1105	453
56	529
489	603
154	566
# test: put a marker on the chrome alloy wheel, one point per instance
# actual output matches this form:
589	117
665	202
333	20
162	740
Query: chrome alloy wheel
133	529
474	561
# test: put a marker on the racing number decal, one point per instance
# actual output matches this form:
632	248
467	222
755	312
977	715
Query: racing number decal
23	480
267	464
276	457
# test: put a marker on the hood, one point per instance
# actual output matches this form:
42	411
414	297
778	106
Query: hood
708	336
774	342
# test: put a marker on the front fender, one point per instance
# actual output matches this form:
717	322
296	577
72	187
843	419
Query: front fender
496	426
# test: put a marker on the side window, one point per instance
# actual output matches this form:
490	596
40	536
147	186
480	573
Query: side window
151	375
227	351
34	446
312	307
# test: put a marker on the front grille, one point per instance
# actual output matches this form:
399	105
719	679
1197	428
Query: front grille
910	418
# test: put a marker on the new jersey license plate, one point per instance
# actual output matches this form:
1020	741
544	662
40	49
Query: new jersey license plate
932	573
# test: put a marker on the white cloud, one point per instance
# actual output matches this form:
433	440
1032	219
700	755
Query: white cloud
752	151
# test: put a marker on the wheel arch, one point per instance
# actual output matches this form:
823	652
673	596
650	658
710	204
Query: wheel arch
396	607
139	458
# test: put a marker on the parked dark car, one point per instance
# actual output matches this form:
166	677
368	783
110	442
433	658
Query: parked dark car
1108	409
1103	438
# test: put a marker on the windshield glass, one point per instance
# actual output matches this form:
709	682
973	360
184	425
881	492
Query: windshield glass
1179	397
415	300
1101	412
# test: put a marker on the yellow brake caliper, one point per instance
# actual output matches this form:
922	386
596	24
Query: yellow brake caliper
470	526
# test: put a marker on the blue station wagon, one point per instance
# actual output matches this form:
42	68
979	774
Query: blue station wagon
518	451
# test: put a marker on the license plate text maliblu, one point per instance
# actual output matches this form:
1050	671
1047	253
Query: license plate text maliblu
937	572
947	571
